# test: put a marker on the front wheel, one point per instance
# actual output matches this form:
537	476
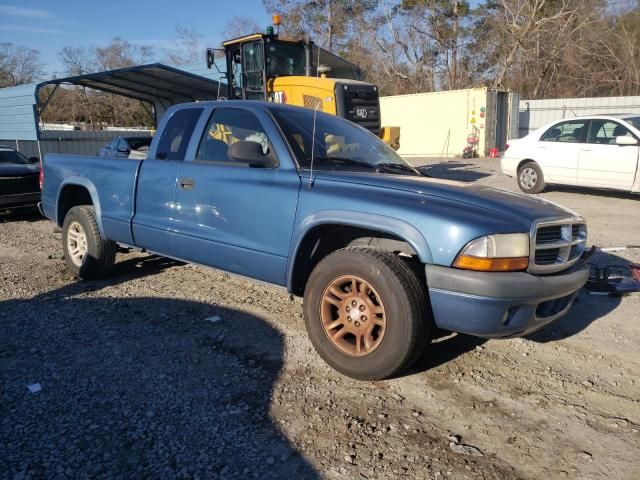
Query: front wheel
530	178
366	313
87	255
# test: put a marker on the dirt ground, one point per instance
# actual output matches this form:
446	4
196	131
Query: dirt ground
168	370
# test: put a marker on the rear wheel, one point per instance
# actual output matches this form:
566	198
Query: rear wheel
86	253
530	178
366	313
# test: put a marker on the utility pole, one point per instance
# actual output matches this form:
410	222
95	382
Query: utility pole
329	16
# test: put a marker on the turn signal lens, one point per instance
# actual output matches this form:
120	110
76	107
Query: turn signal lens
491	264
495	253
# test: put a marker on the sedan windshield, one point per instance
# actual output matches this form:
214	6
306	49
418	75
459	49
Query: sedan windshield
11	156
339	144
635	121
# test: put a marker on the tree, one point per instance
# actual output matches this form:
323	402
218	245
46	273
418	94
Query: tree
19	65
188	47
239	26
99	107
328	22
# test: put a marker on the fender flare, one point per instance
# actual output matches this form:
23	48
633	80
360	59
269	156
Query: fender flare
390	225
93	193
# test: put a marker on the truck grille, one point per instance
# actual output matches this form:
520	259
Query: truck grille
557	245
361	105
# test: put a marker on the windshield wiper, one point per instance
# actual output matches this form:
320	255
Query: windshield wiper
346	160
399	166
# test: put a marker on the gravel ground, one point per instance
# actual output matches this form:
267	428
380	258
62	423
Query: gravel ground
168	370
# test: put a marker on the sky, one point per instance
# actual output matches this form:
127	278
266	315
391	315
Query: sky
51	25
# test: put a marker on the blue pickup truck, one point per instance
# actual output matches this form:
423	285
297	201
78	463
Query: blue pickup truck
381	253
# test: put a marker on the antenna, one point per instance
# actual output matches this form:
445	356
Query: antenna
313	135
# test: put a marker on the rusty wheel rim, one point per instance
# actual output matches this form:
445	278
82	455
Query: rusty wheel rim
353	316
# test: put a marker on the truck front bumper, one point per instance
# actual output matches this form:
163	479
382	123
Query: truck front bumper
500	304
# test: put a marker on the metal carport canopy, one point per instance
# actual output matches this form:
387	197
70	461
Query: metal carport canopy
155	83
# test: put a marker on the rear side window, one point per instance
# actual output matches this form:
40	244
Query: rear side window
569	132
177	133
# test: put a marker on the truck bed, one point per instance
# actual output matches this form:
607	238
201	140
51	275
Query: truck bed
116	194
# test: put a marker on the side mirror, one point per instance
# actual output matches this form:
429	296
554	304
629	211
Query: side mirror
626	140
211	57
251	153
34	159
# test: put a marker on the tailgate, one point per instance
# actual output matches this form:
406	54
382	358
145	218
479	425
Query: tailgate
19	184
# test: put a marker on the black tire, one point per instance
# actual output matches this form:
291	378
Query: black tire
530	178
100	253
400	291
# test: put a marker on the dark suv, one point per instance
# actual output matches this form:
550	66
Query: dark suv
19	187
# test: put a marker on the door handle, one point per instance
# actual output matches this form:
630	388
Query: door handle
187	183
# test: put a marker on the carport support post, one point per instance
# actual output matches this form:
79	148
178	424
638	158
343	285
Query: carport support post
46	102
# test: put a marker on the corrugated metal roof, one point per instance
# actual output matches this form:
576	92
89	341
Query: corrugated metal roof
17	106
158	84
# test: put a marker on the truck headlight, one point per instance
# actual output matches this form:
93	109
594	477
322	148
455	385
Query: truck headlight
503	252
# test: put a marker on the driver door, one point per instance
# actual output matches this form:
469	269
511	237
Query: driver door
228	214
603	163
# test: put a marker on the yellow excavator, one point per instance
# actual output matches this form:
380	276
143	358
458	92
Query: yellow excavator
270	67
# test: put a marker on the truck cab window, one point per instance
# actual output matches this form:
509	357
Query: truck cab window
177	133
284	59
227	126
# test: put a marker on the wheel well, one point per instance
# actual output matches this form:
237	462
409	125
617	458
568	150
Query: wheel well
72	196
320	241
526	160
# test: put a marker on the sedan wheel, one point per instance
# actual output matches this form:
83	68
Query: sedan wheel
528	178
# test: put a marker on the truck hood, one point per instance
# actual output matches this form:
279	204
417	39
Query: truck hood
521	206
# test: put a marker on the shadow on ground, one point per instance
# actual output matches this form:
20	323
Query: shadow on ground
27	216
454	170
586	309
444	347
592	192
139	387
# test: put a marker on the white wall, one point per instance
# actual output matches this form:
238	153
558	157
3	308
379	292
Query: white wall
438	123
536	113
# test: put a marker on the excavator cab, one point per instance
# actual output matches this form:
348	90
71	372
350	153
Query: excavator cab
255	59
267	67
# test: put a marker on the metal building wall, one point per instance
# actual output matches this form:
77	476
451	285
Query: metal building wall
70	142
17	117
536	113
438	123
434	123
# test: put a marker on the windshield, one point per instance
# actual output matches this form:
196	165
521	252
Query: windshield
635	121
339	144
11	156
284	59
